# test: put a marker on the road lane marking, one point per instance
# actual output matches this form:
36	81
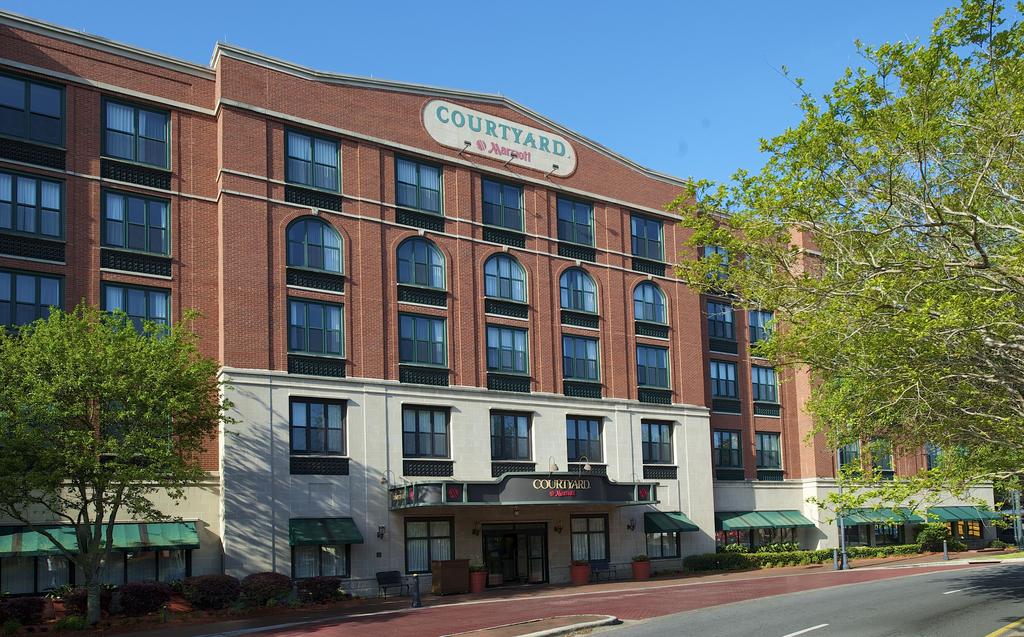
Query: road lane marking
1007	628
805	630
966	588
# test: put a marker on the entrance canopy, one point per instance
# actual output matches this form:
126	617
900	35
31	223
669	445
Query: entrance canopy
16	541
962	514
317	531
525	488
128	536
881	516
746	520
668	522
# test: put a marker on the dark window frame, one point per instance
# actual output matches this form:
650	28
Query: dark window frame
758	320
723	387
658	302
764	392
308	451
324	306
659	452
508	446
304	221
313	138
429	537
432	251
571	233
415	341
606	532
644	370
573	442
636	240
768	458
647	545
126	196
320	562
500	367
38	209
135	135
721	321
576	362
440	186
503	208
433	452
125	288
729	456
574	298
28	110
498	279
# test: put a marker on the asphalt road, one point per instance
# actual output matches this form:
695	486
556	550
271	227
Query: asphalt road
963	603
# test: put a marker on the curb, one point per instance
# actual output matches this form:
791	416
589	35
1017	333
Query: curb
550	632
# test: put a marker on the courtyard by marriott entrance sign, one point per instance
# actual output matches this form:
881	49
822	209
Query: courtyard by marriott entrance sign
525	488
497	138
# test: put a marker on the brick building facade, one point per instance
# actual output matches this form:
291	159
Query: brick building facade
423	322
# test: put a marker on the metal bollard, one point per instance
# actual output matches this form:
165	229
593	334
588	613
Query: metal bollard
416	603
945	551
835	559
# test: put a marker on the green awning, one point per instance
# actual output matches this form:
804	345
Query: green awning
155	535
316	531
668	522
962	513
745	520
16	541
884	515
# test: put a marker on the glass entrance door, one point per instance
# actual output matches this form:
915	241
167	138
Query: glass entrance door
515	553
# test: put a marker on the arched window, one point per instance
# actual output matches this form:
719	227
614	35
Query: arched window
504	278
420	263
312	243
649	303
579	292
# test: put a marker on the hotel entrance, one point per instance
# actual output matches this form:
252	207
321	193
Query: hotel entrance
515	553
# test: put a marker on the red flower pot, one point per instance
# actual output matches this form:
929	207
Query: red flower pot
579	574
477	581
642	570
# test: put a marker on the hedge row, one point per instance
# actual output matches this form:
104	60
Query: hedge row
731	561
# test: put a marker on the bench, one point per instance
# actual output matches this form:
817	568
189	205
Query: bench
599	568
391	579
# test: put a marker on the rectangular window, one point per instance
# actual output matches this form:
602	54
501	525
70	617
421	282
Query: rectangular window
931	455
140	304
138	223
723	379
583	439
506	350
325	560
849	454
720	321
510	436
760	325
763	383
31	110
312	161
579	358
656	442
31	205
418	185
726	449
589	537
647	238
315	328
722	256
317	426
422	340
652	366
426	541
503	205
660	545
768	454
25	297
575	222
424	432
881	455
137	134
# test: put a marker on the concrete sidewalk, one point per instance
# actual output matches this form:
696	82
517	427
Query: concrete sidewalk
461	613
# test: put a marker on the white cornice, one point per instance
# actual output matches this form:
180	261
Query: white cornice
81	38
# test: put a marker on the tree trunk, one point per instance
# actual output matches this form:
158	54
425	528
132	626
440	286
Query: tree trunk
93	612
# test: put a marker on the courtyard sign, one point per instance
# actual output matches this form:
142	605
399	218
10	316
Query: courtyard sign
497	138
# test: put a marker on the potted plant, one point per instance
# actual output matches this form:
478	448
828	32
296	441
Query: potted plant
641	567
579	572
477	578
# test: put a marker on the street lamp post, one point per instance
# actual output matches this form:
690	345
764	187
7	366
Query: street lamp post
1018	532
843	565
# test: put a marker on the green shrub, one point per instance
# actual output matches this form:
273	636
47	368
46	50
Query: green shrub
142	598
71	623
718	562
319	589
25	610
210	592
265	589
778	547
735	548
998	544
931	535
76	599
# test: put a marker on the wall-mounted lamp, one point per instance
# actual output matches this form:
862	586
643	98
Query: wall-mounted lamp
554	167
631	525
552	467
380	532
583	467
465	146
558	527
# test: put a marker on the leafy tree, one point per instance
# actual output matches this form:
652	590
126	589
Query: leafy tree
95	418
886	232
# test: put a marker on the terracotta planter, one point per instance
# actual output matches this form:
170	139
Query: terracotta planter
579	574
477	581
642	570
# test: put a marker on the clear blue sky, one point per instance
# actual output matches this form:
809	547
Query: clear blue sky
686	88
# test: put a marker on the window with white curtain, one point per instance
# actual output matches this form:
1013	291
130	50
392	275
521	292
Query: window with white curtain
661	545
418	185
52	571
426	541
31	205
31	110
312	161
136	134
589	538
173	565
320	560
